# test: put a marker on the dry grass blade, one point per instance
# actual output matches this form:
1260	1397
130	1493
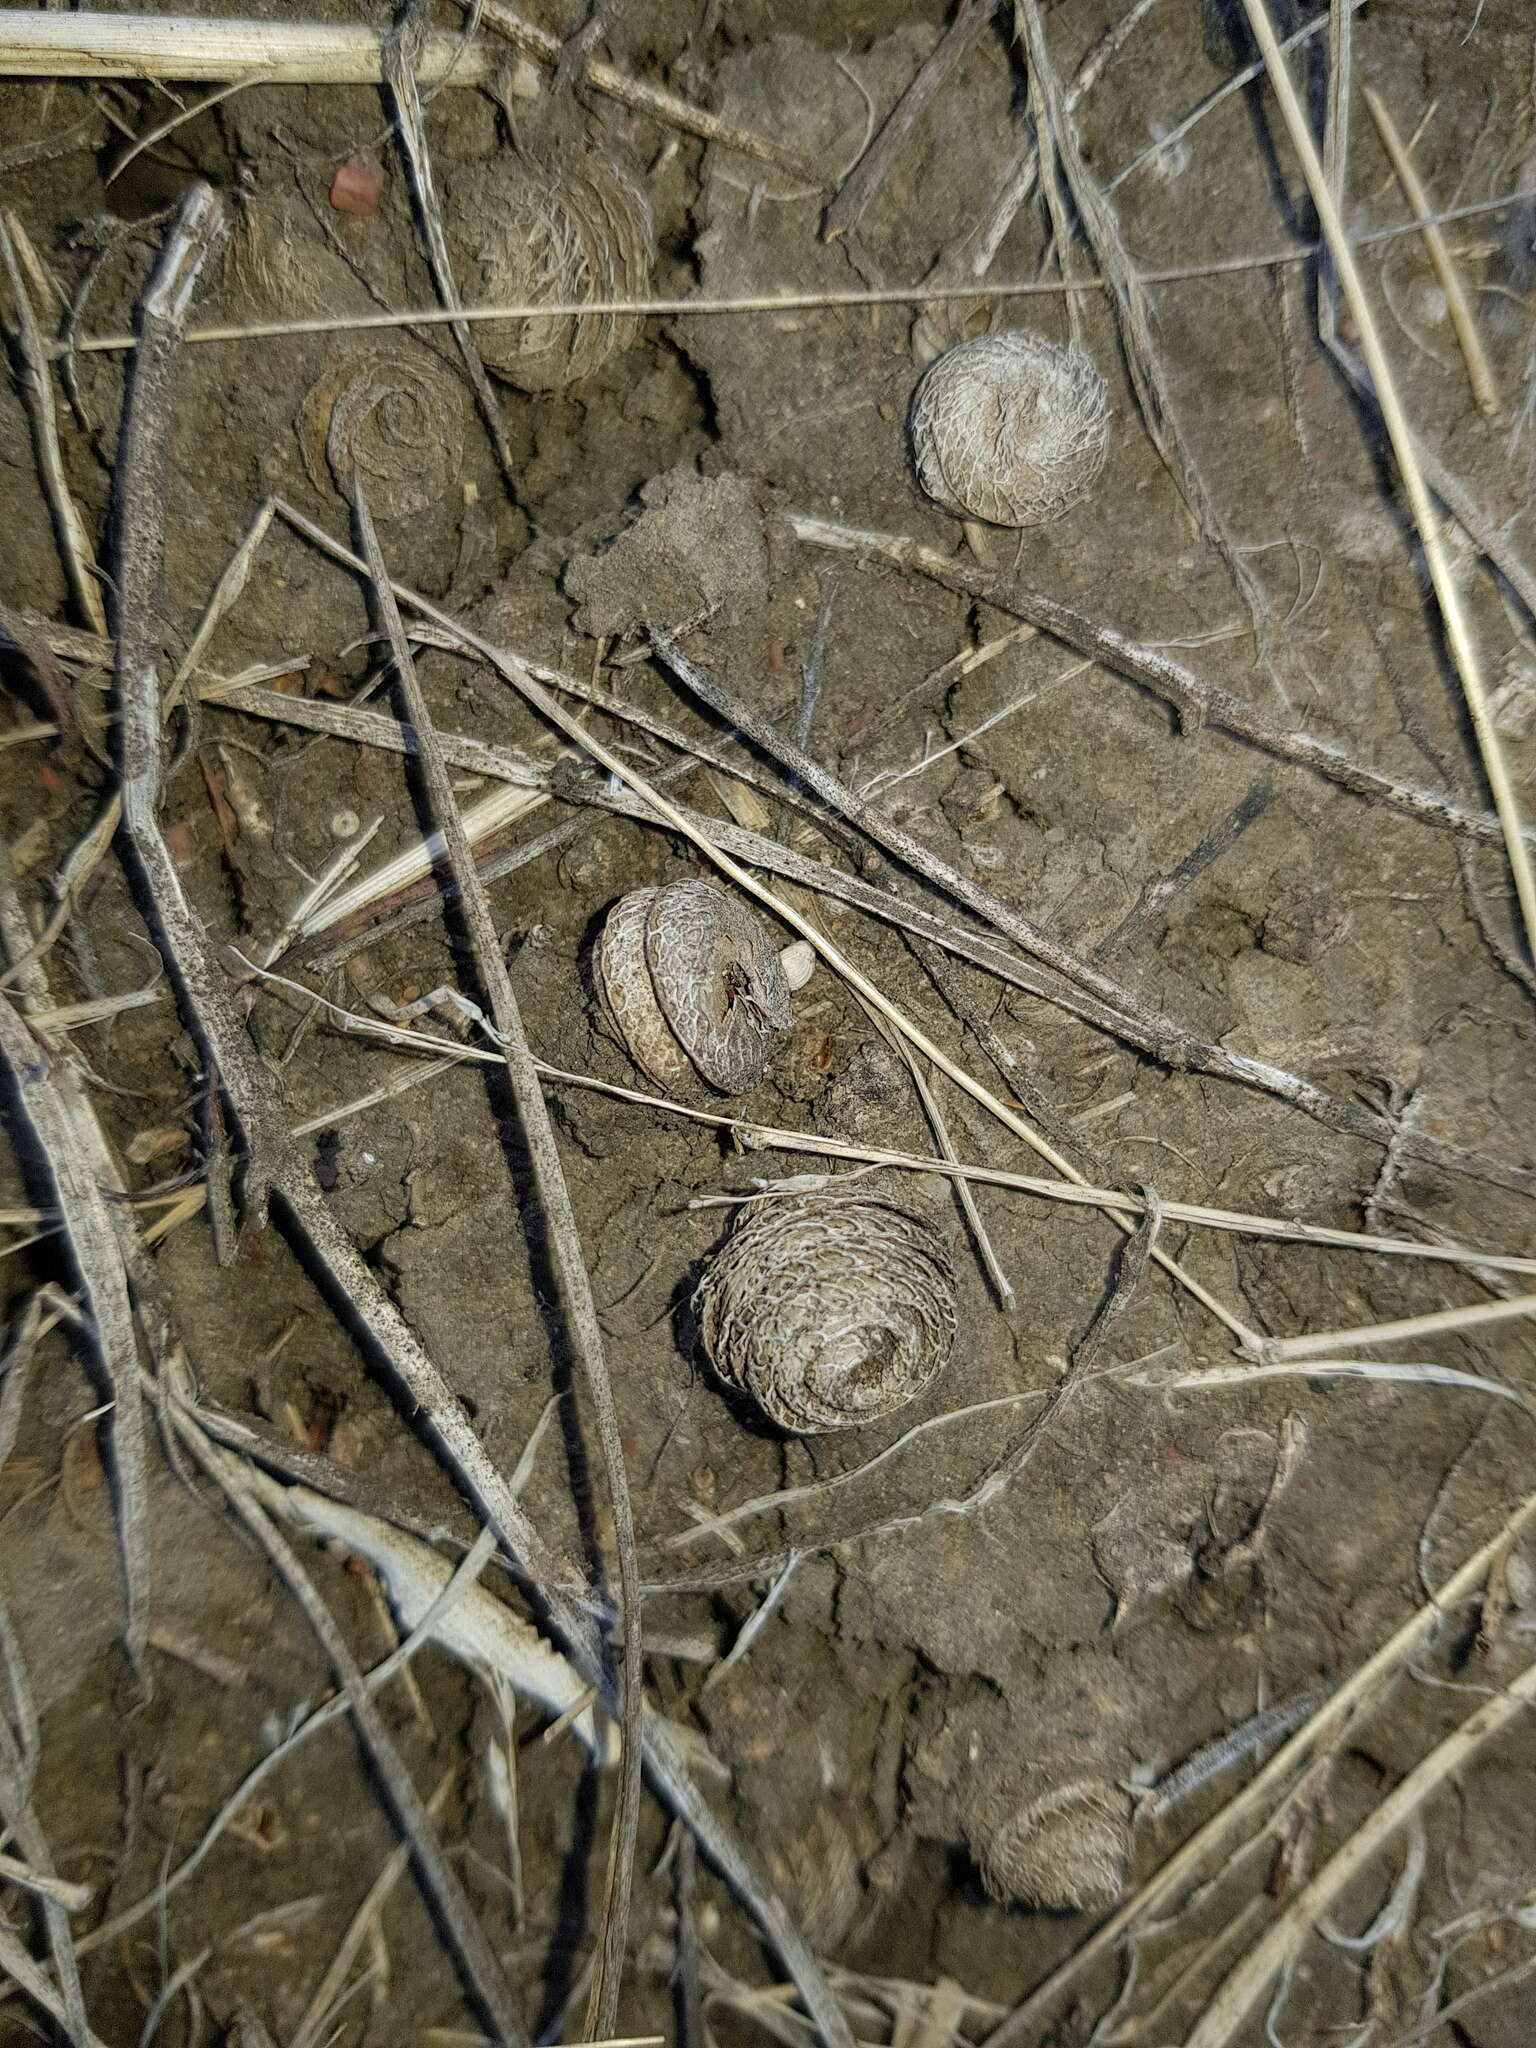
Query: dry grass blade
321	2007
1458	628
1474	1316
1457	305
1331	1717
88	1229
559	1218
37	392
1242	1989
16	1963
404	47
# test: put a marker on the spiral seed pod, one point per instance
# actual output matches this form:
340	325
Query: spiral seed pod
831	1309
552	231
396	420
1009	428
1064	1851
692	984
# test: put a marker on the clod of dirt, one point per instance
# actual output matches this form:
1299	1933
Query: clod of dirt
697	551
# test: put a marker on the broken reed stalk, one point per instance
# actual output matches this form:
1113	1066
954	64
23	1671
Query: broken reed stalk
1241	1990
274	1167
559	1220
1458	627
1019	2029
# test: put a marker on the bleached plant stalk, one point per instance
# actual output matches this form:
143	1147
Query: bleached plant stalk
1458	627
197	49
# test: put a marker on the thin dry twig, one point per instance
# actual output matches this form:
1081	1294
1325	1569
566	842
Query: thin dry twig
864	180
1458	627
1154	669
580	1310
786	300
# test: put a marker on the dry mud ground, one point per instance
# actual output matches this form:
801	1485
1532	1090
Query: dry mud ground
1169	1563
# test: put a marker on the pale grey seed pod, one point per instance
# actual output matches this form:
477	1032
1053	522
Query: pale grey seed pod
1064	1851
558	229
1010	428
692	984
831	1309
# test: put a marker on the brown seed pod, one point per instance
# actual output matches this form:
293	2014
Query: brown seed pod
394	418
1009	428
692	984
1064	1851
831	1309
556	230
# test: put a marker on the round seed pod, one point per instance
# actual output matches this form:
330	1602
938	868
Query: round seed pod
692	984
1009	428
1064	1851
393	418
831	1309
556	230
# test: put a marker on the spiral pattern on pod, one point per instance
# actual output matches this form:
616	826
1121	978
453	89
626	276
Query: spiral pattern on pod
1010	428
831	1309
395	420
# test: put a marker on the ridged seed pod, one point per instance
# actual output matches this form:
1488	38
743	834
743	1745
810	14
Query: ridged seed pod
1010	428
1063	1852
831	1309
693	986
555	230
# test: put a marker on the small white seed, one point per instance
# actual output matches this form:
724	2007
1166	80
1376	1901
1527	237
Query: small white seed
798	962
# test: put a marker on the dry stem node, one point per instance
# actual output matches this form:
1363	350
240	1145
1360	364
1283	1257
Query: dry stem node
1009	428
831	1309
690	981
1065	1851
566	229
